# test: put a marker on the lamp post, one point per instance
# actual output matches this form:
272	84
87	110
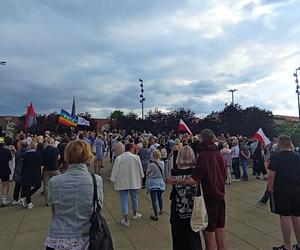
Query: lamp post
232	96
297	89
142	99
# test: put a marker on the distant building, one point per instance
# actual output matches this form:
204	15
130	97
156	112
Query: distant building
281	119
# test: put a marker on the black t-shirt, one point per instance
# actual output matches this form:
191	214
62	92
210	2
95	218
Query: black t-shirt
5	157
61	149
50	158
286	164
182	198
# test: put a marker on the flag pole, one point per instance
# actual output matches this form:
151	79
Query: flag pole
294	129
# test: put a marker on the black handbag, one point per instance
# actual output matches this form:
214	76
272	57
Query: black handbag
100	237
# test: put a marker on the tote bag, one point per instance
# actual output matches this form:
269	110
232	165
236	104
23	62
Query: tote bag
199	219
100	237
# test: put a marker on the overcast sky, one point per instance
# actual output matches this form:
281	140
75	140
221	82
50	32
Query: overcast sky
188	52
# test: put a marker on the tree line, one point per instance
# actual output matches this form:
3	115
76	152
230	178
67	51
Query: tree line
233	119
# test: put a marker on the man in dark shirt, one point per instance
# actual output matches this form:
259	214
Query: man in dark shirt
50	157
284	182
5	157
210	171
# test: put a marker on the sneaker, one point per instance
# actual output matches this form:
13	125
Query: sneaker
124	223
29	206
282	247
236	180
4	203
161	212
136	216
262	203
23	202
153	217
14	202
295	247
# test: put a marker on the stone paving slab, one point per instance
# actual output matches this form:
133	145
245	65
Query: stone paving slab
248	225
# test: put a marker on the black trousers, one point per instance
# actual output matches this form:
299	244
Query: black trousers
17	191
184	237
236	167
49	248
259	167
28	191
266	196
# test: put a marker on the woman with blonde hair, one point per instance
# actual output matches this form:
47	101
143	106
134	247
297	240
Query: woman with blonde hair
71	200
182	203
155	183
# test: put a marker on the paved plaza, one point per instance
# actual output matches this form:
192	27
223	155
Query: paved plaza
249	226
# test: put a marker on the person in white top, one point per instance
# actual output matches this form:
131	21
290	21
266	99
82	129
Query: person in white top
127	174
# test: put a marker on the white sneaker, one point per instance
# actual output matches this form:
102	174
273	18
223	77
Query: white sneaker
23	202
4	202
30	206
236	180
124	223
136	216
14	203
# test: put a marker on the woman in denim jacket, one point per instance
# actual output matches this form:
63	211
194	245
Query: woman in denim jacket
155	183
71	200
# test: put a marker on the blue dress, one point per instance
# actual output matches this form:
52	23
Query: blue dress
99	144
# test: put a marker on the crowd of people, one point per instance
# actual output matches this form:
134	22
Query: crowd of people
140	160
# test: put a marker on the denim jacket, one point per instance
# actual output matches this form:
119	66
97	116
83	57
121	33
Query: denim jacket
71	200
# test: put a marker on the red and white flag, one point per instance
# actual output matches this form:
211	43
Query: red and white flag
30	117
184	127
260	136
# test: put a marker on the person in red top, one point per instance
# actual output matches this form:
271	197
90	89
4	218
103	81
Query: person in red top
210	171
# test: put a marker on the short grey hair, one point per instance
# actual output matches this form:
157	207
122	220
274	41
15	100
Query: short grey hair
207	135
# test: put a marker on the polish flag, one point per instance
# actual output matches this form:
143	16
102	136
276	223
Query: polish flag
260	136
184	127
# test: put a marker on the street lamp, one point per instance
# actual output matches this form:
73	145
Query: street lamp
142	96
232	97
297	89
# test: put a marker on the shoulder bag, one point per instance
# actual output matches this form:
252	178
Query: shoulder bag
100	237
199	219
162	175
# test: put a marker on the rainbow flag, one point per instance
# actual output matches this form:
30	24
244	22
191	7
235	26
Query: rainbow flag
67	119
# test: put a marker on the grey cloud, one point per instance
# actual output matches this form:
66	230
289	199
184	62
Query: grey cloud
97	50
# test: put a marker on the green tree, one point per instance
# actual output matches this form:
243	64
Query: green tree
254	118
117	114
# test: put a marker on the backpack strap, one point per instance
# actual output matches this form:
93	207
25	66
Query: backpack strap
159	168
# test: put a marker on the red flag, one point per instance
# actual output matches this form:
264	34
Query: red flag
260	136
184	127
30	117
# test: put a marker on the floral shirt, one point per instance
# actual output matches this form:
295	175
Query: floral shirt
68	244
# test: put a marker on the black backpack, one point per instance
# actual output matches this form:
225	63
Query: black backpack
100	237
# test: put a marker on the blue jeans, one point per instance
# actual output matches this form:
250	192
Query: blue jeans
156	195
124	200
244	163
